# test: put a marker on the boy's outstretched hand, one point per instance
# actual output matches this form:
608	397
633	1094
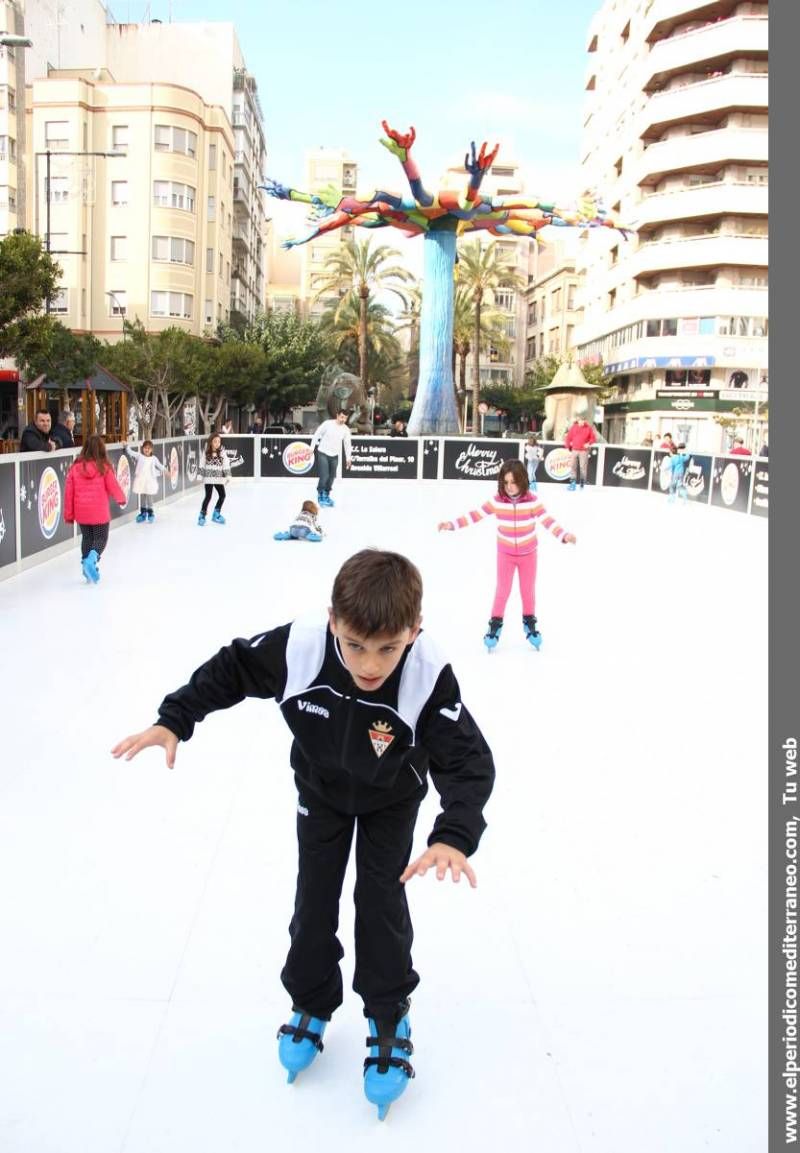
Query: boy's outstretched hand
155	735
441	857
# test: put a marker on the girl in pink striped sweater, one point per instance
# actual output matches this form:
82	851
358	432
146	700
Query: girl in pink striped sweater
517	510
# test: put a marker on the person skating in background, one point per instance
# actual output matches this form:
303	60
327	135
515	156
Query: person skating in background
374	709
326	442
91	483
533	458
678	463
579	439
517	511
305	526
146	479
215	472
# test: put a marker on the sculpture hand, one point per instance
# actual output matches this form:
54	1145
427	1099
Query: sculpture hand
480	163
279	191
398	143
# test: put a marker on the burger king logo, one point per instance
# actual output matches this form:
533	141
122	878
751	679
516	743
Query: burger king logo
174	468
124	478
556	464
298	458
49	503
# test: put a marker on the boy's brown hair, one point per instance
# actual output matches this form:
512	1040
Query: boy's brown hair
377	593
519	473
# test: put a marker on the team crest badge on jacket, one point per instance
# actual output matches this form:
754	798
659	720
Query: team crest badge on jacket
381	736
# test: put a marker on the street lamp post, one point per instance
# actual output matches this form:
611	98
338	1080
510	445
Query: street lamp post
123	311
47	153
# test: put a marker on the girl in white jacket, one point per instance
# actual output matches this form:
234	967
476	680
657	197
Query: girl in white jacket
146	479
215	471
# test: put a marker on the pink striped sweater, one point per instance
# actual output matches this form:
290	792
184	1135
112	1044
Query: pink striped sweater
516	521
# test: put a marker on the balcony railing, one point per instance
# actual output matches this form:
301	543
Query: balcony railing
700	252
721	40
701	98
705	151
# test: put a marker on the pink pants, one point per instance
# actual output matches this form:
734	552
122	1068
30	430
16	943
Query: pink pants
525	566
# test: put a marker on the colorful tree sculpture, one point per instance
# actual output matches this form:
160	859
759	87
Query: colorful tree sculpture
440	218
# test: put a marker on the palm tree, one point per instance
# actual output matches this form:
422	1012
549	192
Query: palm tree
482	269
358	268
354	319
492	333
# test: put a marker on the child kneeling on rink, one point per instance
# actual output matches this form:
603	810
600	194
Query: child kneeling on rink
374	708
306	525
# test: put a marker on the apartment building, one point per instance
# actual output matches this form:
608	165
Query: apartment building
552	309
325	168
675	135
131	191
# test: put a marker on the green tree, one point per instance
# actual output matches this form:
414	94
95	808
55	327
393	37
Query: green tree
61	355
296	353
363	270
482	269
161	368
354	324
231	371
28	276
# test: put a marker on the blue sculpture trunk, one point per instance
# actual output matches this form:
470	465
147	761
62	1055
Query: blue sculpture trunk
434	412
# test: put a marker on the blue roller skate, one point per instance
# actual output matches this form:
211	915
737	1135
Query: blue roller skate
493	635
89	567
217	517
531	633
300	1041
387	1070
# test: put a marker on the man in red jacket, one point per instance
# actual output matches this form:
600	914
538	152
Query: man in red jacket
739	449
580	437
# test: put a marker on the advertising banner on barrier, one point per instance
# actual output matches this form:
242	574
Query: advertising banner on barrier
173	463
430	459
759	501
41	503
554	468
627	467
475	459
730	482
287	456
8	514
192	447
697	476
241	452
384	456
123	469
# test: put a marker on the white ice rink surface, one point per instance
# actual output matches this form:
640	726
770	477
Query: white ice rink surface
602	990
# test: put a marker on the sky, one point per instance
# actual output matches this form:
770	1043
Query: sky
329	74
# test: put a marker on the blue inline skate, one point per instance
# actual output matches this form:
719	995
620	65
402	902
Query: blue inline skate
299	1042
387	1070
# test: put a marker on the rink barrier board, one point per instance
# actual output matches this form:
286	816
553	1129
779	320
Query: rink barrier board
32	526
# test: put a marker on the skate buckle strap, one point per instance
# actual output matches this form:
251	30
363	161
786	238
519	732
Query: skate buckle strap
298	1033
385	1059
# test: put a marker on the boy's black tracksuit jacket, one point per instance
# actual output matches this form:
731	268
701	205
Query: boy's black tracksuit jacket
358	751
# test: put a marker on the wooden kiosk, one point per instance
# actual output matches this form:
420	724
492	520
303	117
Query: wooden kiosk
100	404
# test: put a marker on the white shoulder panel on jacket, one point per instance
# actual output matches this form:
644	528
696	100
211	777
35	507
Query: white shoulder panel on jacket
305	654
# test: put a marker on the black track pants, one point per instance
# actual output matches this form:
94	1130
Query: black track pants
384	974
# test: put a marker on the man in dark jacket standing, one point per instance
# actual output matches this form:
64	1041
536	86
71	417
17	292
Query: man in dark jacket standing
36	437
62	433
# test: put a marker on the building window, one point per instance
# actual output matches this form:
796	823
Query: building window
209	260
8	148
172	194
212	208
59	301
56	135
504	299
173	249
555	300
119	248
57	190
212	158
177	304
119	137
168	138
209	312
117	302
221	266
119	192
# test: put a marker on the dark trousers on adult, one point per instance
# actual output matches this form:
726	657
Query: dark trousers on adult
209	493
327	466
93	536
384	975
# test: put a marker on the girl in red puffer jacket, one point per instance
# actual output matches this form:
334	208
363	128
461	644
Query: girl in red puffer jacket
90	483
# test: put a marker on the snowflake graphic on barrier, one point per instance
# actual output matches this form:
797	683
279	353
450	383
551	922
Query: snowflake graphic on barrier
2	526
23	494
